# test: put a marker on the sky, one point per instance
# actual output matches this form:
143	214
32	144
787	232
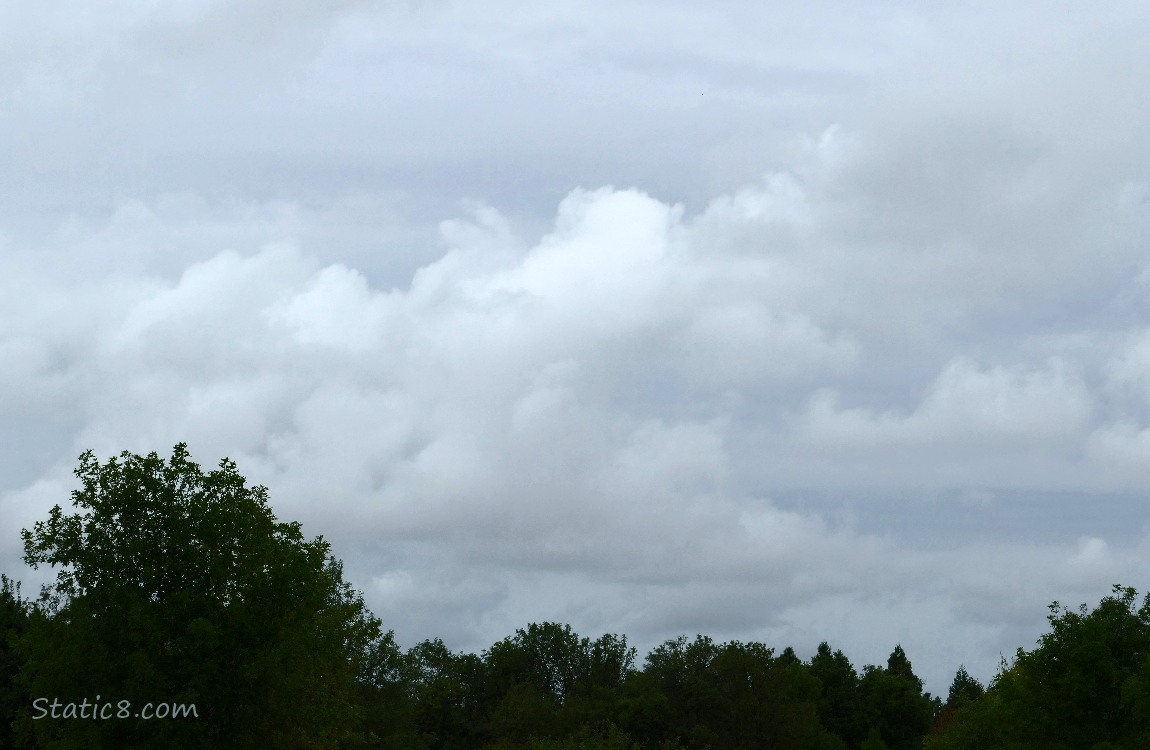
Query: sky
778	321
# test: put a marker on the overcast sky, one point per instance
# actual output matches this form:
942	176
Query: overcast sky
784	321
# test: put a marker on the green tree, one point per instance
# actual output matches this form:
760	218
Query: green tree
1075	678
839	700
644	709
874	741
387	698
682	672
964	689
558	662
768	701
15	618
893	703
178	585
546	654
1084	686
578	680
524	714
736	696
604	737
451	698
593	700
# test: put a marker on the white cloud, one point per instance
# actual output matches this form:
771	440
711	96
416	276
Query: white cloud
336	310
1121	453
889	263
965	406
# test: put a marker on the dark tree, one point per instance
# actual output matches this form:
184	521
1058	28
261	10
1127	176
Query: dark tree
963	690
893	703
839	694
548	655
547	681
737	696
594	699
386	690
682	671
644	709
177	585
15	617
1087	684
451	695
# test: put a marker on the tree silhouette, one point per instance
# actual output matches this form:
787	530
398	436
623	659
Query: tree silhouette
1086	684
176	585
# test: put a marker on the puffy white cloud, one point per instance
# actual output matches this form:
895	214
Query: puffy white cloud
493	416
891	266
965	406
336	310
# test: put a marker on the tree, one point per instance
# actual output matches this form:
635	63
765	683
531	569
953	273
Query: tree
550	656
768	702
1087	684
554	681
682	671
963	690
874	741
386	682
1077	674
450	695
644	709
607	738
734	696
839	694
894	704
176	585
594	699
15	616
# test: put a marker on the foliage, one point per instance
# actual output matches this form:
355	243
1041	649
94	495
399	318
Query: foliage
738	695
839	705
893	707
450	695
1084	686
179	585
15	619
546	687
964	690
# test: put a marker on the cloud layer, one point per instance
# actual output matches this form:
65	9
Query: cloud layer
864	357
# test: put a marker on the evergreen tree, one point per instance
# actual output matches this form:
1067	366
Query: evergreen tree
963	690
893	703
839	701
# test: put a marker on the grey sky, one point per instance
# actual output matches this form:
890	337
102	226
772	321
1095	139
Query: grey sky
778	321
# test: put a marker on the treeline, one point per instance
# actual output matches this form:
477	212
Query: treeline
544	688
177	587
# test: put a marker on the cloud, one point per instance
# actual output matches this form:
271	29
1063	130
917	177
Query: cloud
337	310
861	321
965	406
573	406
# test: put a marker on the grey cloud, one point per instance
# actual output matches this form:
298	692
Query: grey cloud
867	335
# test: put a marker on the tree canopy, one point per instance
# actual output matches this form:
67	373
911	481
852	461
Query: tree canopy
1085	685
179	585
